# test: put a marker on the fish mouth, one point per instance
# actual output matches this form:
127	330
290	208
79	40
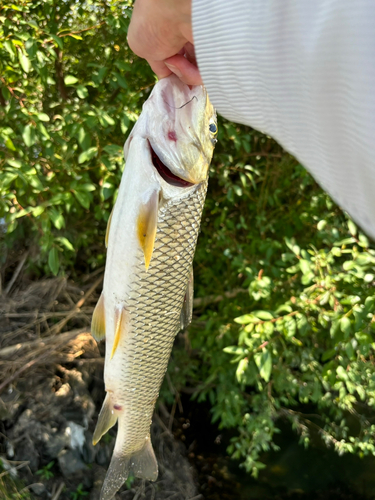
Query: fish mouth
165	173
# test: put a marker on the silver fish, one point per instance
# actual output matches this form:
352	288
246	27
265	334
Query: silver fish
147	292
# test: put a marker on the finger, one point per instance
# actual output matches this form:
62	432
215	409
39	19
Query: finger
190	53
160	69
184	69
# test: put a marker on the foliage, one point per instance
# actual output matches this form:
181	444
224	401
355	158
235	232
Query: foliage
299	345
46	472
79	493
69	90
304	341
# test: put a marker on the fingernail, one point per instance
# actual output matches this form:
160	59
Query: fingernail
174	70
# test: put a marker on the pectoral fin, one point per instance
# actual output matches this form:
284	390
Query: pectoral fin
108	228
120	328
147	224
187	307
98	320
107	419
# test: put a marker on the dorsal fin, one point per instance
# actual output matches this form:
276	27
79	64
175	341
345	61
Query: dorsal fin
98	320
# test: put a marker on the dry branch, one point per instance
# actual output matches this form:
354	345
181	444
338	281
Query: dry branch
37	344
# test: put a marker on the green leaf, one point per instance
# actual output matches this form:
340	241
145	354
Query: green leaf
24	61
263	315
9	144
28	135
263	360
58	41
53	260
83	198
14	163
43	117
66	243
38	211
70	80
245	319
82	91
87	155
352	228
345	326
241	369
233	349
57	218
113	149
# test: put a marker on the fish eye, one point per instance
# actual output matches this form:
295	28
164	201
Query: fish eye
213	128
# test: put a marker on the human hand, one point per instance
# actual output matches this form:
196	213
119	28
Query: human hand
160	31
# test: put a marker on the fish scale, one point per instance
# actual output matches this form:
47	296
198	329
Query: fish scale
162	287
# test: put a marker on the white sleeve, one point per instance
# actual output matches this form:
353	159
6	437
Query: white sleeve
304	73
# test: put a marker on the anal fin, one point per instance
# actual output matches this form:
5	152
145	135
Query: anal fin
147	224
143	464
107	419
98	320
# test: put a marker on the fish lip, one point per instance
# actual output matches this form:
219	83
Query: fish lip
165	173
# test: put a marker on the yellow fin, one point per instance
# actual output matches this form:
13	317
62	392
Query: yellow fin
108	227
147	225
107	419
98	320
120	323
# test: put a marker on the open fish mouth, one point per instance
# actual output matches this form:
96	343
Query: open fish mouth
165	172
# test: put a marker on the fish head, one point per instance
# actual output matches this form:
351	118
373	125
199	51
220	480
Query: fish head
180	125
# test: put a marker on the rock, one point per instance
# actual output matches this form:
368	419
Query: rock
56	443
103	455
99	475
37	488
70	463
25	450
76	435
88	450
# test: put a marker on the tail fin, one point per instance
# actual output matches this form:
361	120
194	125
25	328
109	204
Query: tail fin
107	419
143	464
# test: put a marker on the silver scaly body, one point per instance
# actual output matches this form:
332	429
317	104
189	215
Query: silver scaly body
147	292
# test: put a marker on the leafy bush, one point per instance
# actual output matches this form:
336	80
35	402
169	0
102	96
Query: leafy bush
300	341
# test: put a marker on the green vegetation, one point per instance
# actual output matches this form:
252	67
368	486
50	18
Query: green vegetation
45	472
79	493
299	346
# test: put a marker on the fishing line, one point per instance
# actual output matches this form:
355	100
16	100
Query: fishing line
174	107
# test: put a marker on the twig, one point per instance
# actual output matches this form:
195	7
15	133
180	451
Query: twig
58	327
9	471
28	365
16	272
59	490
170	424
63	337
47	315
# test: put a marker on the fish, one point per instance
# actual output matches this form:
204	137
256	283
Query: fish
147	294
